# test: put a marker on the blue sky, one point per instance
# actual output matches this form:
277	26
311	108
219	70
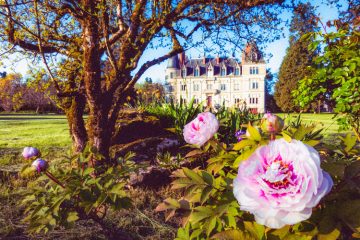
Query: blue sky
277	49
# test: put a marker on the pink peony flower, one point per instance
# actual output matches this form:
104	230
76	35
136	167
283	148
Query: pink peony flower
281	182
271	123
40	165
30	152
201	129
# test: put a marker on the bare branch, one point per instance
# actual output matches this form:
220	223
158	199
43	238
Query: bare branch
41	50
105	23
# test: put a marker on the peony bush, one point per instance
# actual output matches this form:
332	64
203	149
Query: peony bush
271	183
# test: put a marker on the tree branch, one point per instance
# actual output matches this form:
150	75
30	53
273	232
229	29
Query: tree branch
41	50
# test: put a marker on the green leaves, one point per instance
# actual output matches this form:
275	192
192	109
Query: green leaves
243	143
254	133
87	190
233	235
72	217
335	76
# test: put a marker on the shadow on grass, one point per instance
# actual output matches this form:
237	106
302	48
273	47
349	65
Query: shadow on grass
30	118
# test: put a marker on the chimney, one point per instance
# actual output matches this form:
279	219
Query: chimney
217	59
182	58
204	60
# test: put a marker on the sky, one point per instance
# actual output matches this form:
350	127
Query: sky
276	49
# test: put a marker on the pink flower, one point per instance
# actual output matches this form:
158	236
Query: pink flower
30	152
201	129
271	123
40	165
281	182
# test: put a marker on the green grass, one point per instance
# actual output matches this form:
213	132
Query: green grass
49	133
18	131
326	121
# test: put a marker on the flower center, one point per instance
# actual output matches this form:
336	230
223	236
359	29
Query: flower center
278	174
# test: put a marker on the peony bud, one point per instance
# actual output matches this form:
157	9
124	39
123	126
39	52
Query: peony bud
271	123
40	165
30	152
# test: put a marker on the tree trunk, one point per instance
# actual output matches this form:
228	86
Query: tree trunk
76	122
99	132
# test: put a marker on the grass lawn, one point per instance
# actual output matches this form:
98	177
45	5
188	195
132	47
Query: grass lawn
50	133
46	132
323	120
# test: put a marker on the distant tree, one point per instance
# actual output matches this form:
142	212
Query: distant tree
38	96
148	80
336	70
150	92
94	47
11	92
2	74
297	59
270	103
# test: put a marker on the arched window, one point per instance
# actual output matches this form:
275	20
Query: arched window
183	72
210	71
196	72
237	71
223	72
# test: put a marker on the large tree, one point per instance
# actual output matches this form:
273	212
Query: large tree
92	48
294	66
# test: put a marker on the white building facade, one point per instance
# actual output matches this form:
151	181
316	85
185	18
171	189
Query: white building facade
217	81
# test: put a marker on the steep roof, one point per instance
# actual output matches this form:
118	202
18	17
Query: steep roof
173	62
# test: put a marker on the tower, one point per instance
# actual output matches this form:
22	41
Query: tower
251	54
172	68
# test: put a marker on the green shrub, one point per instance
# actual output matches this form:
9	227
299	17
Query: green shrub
83	191
210	211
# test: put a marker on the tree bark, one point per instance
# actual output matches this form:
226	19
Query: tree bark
99	132
76	122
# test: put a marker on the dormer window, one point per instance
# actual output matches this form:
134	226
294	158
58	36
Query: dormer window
183	72
237	71
197	72
210	71
223	71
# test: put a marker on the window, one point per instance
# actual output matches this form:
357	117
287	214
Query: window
171	75
183	87
166	77
210	72
255	85
196	101
196	72
254	70
183	100
237	71
196	87
236	87
208	86
237	100
183	73
222	87
254	100
223	72
170	88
